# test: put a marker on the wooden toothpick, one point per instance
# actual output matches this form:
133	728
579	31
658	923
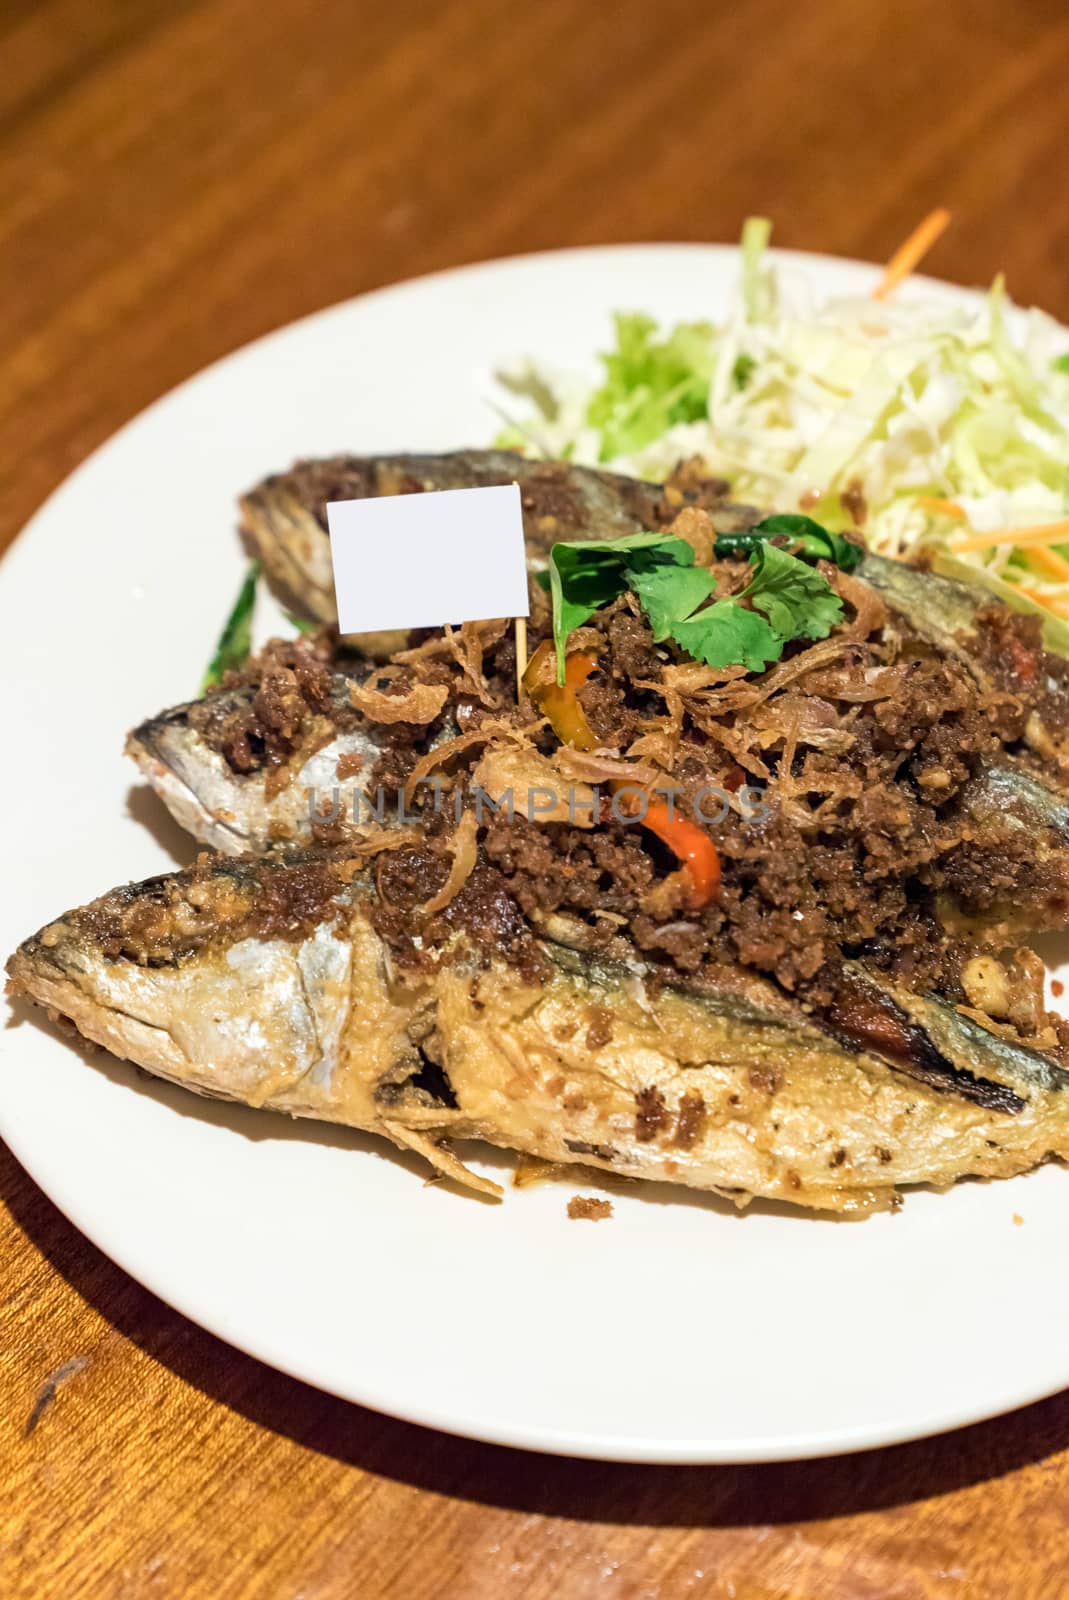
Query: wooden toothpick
521	655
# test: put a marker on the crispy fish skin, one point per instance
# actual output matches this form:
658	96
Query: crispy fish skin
940	609
1008	804
1005	799
265	982
261	810
1011	791
283	520
326	779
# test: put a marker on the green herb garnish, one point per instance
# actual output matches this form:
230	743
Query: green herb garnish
798	602
812	542
786	598
302	624
1061	363
669	593
235	641
652	381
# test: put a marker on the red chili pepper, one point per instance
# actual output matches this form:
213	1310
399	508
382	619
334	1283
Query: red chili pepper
695	849
1024	662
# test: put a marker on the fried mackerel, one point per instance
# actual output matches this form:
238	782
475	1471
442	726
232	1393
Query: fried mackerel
854	1010
279	984
284	519
921	750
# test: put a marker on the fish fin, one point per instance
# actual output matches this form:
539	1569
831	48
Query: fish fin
444	1161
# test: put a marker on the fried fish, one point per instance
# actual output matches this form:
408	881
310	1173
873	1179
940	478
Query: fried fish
270	983
838	1012
284	519
200	760
252	765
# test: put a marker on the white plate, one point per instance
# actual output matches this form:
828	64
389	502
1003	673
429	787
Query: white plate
677	1331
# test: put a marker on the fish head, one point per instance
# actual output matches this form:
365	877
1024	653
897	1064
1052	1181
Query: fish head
260	808
231	978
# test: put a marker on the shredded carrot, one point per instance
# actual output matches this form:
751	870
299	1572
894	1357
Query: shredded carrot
1044	562
941	508
1023	538
909	255
1038	598
1048	563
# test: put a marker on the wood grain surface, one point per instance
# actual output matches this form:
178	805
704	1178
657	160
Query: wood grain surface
177	178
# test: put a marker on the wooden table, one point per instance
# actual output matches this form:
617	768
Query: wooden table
176	178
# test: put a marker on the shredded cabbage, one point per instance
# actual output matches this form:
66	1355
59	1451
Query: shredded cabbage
920	418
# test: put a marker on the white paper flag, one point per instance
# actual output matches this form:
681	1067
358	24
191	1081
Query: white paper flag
421	560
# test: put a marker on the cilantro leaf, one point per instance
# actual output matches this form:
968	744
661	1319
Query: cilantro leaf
1061	363
797	601
586	575
669	594
578	588
726	634
641	547
786	598
813	538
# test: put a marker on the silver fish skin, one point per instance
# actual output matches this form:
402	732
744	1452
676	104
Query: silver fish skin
938	1042
1008	805
938	609
1021	800
265	982
233	811
943	606
283	520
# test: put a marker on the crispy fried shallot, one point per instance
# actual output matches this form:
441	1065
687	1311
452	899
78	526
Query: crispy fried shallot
418	705
535	784
465	855
870	612
485	733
